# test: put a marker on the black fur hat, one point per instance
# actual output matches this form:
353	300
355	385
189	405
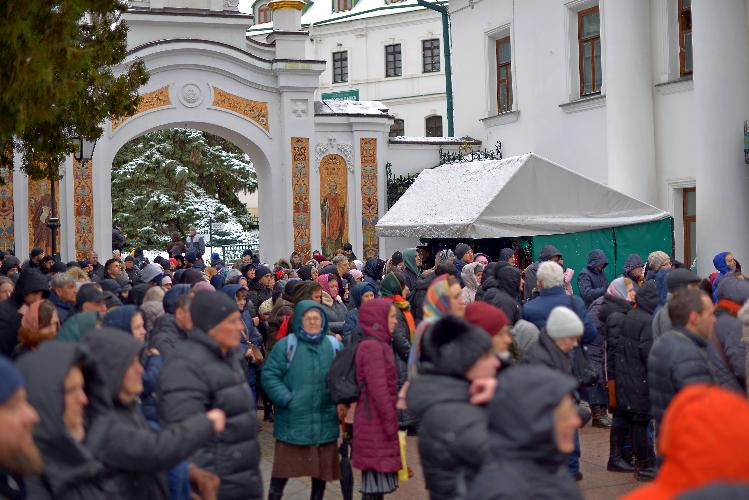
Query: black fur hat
453	346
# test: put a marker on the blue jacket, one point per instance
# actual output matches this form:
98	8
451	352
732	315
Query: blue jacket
591	282
719	261
63	308
537	310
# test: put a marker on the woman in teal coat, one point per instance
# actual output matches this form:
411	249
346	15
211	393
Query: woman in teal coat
306	424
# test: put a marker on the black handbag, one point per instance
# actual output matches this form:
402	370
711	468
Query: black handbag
582	368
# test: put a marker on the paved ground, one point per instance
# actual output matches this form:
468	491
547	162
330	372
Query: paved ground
597	484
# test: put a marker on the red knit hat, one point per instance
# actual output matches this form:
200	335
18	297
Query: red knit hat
486	316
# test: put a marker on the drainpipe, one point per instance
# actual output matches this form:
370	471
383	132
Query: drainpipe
448	66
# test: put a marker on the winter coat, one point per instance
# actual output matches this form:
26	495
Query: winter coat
166	335
470	280
545	352
452	433
523	461
726	352
71	472
591	282
198	377
611	314
258	293
500	286
336	313
632	262
373	271
10	320
135	457
677	359
152	311
401	346
661	322
305	413
412	273
537	310
719	261
703	439
375	445
629	353
417	295
352	317
195	244
63	308
547	253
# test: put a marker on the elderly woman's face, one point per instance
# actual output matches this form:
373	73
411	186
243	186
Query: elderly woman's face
312	322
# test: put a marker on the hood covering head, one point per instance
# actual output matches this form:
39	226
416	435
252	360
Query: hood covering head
596	258
29	281
468	274
373	319
305	272
374	268
324	280
505	254
114	353
77	325
390	286
44	372
437	300
632	262
704	438
647	297
172	297
359	290
153	294
218	281
521	415
548	252
524	334
9	262
232	290
733	289
409	257
508	279
719	261
301	308
120	318
453	345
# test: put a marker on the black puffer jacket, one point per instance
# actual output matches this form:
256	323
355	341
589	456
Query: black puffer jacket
500	286
70	470
166	335
198	377
523	461
452	433
612	313
135	457
29	281
417	295
258	293
726	351
630	354
678	358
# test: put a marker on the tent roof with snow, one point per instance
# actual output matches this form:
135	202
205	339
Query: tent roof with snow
519	196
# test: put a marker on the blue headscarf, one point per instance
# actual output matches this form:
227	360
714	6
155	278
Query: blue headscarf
120	318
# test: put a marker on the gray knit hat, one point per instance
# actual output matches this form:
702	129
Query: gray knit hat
563	322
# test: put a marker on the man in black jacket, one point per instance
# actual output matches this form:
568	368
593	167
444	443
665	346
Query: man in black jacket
679	357
204	372
31	286
135	457
172	327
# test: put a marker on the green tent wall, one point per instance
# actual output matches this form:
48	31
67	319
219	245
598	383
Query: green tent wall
616	243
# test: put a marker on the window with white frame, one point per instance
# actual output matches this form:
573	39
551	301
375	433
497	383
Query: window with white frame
589	51
503	56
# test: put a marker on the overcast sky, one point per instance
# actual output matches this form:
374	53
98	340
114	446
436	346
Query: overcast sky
245	5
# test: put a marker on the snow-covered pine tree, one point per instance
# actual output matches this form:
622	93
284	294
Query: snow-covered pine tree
169	180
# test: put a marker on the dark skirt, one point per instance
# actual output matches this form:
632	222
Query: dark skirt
378	482
319	462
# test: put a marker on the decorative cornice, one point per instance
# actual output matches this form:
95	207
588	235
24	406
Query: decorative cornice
286	4
346	151
255	111
152	100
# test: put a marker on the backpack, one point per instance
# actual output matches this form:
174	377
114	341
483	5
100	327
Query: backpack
292	343
342	384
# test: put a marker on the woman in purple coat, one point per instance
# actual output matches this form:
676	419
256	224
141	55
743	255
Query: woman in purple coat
375	446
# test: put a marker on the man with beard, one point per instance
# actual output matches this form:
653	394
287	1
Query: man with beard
19	455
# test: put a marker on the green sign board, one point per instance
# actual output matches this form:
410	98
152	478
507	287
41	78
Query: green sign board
343	95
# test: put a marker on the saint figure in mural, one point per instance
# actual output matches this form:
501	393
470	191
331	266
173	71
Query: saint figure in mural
333	208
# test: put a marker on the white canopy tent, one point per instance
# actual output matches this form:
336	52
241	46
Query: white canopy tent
519	196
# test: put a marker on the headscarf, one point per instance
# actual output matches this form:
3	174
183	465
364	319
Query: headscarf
618	289
436	305
305	272
356	274
391	288
324	280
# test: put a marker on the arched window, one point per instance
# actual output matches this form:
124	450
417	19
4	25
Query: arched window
434	126
264	14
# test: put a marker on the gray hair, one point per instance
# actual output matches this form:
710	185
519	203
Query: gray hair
61	280
340	259
550	274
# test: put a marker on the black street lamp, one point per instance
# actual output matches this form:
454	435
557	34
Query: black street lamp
84	151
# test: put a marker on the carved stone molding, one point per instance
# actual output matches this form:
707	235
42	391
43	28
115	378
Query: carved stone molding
256	111
335	147
152	100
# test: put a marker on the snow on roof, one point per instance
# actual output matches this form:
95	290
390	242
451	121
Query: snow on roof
519	196
407	139
320	12
336	107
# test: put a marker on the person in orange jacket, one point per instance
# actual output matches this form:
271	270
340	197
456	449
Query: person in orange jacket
703	439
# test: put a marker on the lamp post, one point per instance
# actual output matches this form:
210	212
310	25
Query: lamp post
84	151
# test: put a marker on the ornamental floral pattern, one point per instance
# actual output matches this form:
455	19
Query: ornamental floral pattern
300	195
83	206
333	204
7	233
255	111
369	203
148	101
40	203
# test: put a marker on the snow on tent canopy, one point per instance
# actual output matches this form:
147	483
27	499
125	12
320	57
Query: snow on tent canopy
519	196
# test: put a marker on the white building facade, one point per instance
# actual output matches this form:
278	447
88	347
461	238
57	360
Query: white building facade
377	50
647	96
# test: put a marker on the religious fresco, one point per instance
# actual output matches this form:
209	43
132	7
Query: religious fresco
7	233
369	204
300	195
39	212
83	206
333	204
257	111
148	101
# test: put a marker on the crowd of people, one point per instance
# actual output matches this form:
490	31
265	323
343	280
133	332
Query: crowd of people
137	379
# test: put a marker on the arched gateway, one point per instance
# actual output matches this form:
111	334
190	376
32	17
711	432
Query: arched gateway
206	75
